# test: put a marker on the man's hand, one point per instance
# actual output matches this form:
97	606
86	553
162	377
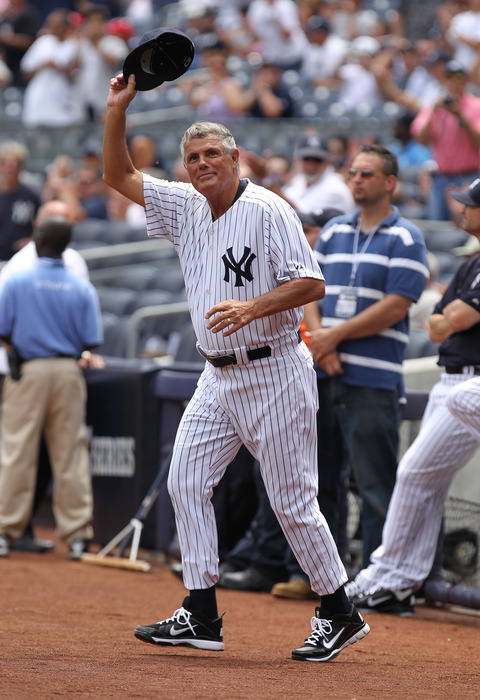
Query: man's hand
331	364
323	342
229	316
121	92
91	360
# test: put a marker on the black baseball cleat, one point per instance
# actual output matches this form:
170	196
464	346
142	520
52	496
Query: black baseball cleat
384	600
331	633
189	628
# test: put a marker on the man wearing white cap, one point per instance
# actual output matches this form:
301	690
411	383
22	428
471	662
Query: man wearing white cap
317	185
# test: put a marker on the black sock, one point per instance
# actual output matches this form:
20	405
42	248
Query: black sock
336	602
205	600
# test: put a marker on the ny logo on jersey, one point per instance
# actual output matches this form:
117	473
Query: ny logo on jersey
236	266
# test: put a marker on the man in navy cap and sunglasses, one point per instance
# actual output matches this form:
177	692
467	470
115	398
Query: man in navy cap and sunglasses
446	442
375	266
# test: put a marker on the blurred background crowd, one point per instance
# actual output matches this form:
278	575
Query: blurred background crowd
311	77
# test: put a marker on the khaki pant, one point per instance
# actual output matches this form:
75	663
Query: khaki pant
50	397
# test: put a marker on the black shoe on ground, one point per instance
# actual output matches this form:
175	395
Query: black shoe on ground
4	546
383	600
249	580
331	633
28	543
190	628
77	548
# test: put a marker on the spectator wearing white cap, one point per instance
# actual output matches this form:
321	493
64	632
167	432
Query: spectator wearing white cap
324	54
358	85
317	185
276	24
48	67
463	34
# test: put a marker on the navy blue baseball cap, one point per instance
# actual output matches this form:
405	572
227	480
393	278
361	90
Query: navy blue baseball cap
319	217
162	54
470	197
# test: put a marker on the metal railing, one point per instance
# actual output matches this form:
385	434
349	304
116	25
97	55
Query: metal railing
148	312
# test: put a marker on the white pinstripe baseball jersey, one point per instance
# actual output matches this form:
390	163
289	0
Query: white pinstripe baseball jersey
255	246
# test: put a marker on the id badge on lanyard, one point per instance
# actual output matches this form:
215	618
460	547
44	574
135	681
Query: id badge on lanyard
346	305
347	300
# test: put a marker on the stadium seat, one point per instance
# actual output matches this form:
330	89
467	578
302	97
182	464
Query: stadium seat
89	230
116	300
138	277
117	232
170	278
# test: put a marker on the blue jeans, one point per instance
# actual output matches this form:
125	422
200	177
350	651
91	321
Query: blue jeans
358	430
365	422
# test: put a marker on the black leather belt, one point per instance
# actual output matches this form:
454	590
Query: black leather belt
469	369
229	358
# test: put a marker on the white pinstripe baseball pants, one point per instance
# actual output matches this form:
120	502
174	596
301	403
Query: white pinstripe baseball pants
425	473
270	406
464	403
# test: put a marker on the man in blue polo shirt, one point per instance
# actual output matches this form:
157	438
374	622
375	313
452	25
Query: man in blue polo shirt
375	265
48	317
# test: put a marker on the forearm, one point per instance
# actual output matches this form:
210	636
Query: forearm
118	169
460	316
312	316
391	91
270	104
439	328
292	294
231	315
377	317
116	159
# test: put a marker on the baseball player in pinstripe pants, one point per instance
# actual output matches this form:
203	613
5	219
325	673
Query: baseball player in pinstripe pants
443	446
247	270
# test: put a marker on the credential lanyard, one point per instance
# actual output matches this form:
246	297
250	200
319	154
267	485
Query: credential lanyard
357	255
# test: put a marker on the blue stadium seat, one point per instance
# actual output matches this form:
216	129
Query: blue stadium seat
116	300
137	277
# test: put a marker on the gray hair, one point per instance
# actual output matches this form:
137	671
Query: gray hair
201	130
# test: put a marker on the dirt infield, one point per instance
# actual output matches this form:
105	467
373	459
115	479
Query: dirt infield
66	630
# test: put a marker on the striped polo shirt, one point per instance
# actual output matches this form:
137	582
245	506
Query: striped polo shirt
394	262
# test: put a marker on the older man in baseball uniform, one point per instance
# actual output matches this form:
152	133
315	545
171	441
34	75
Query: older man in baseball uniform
248	269
443	446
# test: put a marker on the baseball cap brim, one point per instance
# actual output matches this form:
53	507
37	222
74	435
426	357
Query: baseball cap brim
162	54
312	153
465	198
